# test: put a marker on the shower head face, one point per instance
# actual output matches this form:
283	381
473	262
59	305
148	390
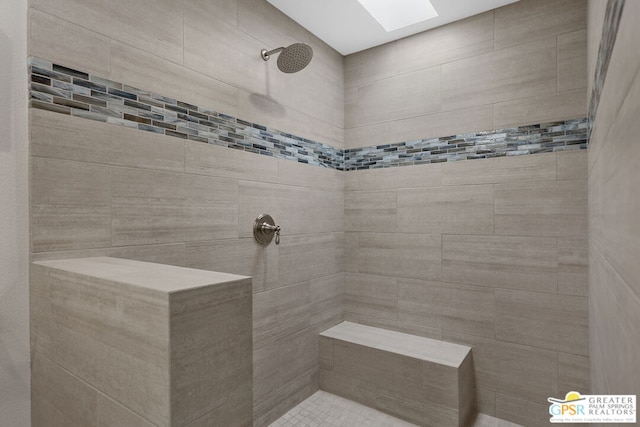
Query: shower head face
295	57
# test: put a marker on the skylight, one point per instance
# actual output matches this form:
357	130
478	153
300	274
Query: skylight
396	14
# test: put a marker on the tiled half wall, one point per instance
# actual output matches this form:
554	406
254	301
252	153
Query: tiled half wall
64	90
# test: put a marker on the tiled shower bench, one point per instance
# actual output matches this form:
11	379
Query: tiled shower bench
424	381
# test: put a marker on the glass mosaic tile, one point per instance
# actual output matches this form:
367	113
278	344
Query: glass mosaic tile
61	89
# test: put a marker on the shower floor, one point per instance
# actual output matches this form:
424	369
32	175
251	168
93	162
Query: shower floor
328	410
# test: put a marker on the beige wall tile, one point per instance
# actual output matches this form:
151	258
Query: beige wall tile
573	374
399	95
65	137
237	256
461	39
305	257
70	205
60	41
528	372
159	207
395	178
508	262
556	208
220	161
573	267
60	399
446	210
288	205
528	318
521	411
370	65
572	61
211	350
303	175
207	37
326	211
468	82
398	255
146	71
528	20
541	108
425	126
423	413
486	401
368	295
370	210
116	345
541	167
572	164
447	306
326	298
112	414
280	312
153	26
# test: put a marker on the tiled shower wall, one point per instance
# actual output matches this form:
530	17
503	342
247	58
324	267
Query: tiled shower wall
491	253
519	64
100	189
614	204
489	238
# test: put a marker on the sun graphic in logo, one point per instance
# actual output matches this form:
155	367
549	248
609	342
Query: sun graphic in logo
572	396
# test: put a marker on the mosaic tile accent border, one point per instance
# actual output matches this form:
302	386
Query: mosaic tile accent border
607	42
64	90
516	141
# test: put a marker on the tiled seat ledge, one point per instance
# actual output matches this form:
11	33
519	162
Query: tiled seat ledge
425	381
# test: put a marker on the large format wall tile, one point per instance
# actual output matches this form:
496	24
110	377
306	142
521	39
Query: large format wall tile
507	262
556	322
535	19
153	26
446	210
447	306
542	209
70	205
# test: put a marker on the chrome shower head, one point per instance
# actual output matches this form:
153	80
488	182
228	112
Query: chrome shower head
292	59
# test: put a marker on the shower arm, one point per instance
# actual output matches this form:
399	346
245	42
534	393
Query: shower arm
267	54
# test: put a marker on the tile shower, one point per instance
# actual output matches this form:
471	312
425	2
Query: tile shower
145	145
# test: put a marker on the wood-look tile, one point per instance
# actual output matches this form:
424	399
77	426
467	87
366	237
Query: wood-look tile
156	207
556	209
280	312
556	322
573	374
59	398
150	26
375	296
541	167
112	414
541	108
399	255
211	350
446	210
70	205
68	43
72	138
519	370
115	345
370	210
533	19
501	261
572	61
447	306
206	159
572	164
524	412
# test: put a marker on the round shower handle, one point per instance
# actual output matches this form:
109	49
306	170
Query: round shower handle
264	228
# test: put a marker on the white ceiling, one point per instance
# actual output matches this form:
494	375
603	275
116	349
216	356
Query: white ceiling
347	27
